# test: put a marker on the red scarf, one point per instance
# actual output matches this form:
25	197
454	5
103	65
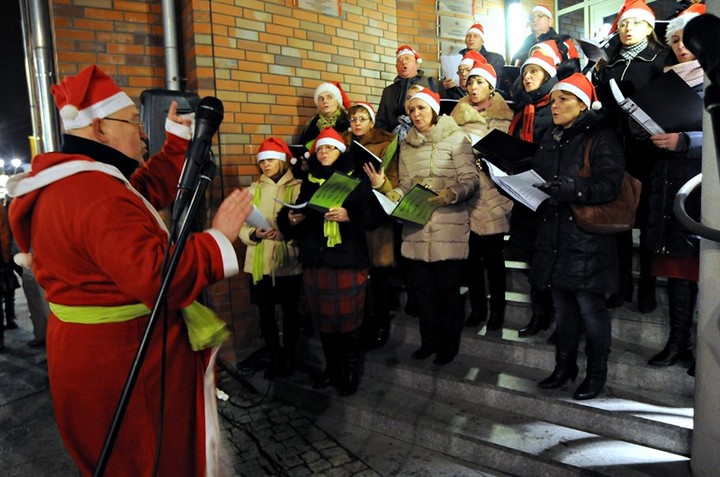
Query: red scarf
528	119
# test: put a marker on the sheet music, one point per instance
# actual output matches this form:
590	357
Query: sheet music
519	186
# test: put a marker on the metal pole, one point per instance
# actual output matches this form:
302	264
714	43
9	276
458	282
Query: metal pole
172	69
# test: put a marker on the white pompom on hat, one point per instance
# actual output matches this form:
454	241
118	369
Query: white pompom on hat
680	22
430	97
88	95
407	50
477	28
579	85
329	137
274	148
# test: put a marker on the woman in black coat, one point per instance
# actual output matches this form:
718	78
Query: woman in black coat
638	59
334	255
578	268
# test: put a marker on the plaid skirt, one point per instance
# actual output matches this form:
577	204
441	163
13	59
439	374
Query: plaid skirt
336	298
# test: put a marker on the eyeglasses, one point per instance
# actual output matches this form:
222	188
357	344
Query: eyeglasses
630	22
138	124
359	120
463	71
537	15
324	149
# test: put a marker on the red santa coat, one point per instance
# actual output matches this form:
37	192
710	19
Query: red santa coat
96	242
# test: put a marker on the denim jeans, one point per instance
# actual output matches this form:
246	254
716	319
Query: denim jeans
575	310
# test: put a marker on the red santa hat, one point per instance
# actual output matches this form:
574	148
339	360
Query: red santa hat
329	137
541	9
634	9
550	48
273	148
471	57
334	88
579	85
542	60
485	70
477	28
88	95
407	50
368	106
680	22
430	97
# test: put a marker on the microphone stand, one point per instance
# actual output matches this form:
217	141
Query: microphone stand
206	176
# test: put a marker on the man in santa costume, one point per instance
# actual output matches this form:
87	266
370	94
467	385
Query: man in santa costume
89	215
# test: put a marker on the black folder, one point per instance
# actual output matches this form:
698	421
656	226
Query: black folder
363	155
298	150
509	153
671	103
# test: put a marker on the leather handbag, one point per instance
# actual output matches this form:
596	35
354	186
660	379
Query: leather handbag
611	217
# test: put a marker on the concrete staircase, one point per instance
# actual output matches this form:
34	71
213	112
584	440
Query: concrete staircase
486	410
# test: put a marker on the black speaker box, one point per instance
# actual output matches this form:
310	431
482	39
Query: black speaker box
154	105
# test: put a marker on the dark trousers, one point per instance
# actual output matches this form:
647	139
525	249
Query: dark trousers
286	293
436	287
578	310
486	255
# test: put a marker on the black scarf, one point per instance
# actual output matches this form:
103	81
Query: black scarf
99	152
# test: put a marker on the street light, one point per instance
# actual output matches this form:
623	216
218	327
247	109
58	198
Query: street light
15	163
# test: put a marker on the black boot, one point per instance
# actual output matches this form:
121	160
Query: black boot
477	317
497	314
332	352
682	295
594	381
646	295
565	368
537	324
350	363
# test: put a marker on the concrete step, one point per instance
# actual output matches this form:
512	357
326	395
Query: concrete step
463	420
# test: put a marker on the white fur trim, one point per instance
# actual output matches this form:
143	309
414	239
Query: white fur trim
677	24
330	141
551	70
571	88
24	260
540	9
179	130
328	88
547	50
212	423
639	13
476	30
101	109
485	74
261	156
231	266
368	109
428	99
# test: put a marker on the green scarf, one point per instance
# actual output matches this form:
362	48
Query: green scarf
258	268
324	122
331	229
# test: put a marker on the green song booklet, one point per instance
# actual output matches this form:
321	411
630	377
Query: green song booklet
332	193
413	207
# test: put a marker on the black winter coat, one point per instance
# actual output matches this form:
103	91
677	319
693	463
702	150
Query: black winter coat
566	257
665	235
392	101
311	130
363	209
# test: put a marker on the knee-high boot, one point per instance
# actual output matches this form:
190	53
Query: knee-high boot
543	313
565	368
350	375
332	351
271	334
682	295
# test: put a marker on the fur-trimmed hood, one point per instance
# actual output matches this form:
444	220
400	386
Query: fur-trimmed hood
465	113
445	127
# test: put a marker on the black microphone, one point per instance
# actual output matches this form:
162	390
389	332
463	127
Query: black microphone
702	38
208	116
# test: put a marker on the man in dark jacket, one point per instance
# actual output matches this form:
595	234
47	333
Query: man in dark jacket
392	102
540	22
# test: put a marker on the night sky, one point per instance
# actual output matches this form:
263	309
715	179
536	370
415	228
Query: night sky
15	124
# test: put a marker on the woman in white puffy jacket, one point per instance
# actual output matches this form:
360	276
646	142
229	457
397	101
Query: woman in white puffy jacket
437	154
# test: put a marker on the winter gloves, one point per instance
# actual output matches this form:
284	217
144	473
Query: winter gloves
561	189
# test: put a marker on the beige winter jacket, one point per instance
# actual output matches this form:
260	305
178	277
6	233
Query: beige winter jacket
269	207
489	210
442	159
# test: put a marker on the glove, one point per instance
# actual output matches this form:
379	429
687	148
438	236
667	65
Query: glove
394	196
444	197
561	189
